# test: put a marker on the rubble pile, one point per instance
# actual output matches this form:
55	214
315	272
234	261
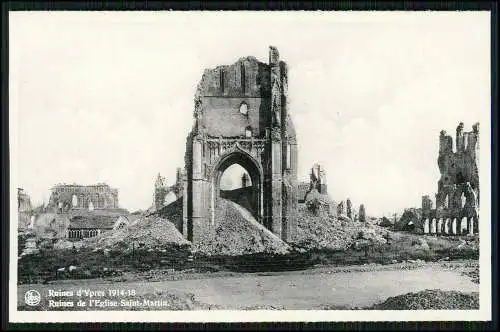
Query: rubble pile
327	232
51	225
65	244
473	274
320	204
147	232
172	212
409	220
238	233
430	299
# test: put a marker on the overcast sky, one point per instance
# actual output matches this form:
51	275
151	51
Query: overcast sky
108	96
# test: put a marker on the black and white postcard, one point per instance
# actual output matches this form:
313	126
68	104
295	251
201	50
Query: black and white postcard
249	166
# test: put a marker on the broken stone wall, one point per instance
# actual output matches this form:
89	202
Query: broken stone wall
64	196
241	117
226	89
458	187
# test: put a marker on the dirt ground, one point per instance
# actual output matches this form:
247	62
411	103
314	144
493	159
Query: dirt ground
318	288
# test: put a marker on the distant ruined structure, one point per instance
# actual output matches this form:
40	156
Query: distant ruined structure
318	179
24	208
362	213
23	201
82	227
68	197
245	180
349	209
316	196
163	194
457	199
160	191
241	117
340	208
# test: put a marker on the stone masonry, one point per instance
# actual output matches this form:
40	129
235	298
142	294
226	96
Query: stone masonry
241	116
66	197
457	199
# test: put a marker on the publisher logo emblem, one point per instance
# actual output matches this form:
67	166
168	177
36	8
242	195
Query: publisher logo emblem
32	298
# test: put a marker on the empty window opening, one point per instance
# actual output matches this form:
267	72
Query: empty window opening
248	132
244	109
243	88
221	82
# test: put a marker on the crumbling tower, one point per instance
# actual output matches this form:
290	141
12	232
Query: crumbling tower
160	191
458	186
241	117
318	179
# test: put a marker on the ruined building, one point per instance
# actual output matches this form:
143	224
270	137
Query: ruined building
68	197
341	209
23	201
349	209
316	197
24	208
245	180
178	187
362	213
457	199
81	227
164	194
317	181
160	191
241	117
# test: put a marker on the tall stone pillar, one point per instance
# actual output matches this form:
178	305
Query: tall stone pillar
276	144
460	139
197	192
289	162
276	185
184	228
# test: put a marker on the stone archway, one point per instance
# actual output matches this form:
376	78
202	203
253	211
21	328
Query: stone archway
255	172
260	136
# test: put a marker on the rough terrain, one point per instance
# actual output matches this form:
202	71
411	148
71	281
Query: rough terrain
238	233
430	299
150	232
397	286
239	244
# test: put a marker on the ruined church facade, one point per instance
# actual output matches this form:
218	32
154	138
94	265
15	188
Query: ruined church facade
457	198
67	197
241	117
